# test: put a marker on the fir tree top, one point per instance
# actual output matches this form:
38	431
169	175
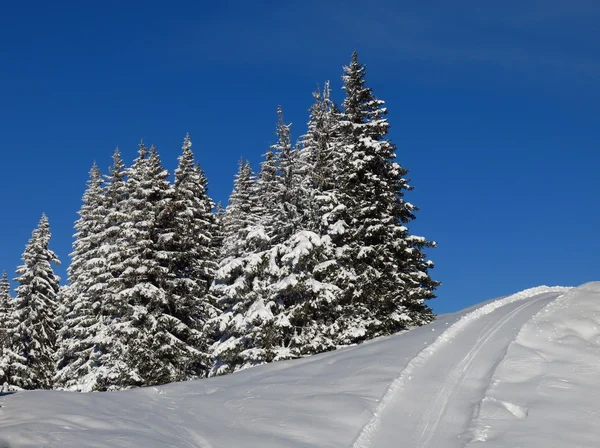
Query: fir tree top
37	250
360	105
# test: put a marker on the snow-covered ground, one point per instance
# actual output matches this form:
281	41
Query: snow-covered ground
521	371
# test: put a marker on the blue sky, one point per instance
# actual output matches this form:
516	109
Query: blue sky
494	109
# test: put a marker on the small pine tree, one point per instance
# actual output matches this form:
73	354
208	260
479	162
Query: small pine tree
33	334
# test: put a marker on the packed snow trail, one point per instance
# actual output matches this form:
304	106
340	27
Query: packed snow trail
431	403
545	391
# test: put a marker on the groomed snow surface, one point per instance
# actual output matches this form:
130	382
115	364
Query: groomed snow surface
521	371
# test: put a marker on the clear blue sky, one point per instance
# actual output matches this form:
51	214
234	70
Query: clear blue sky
494	109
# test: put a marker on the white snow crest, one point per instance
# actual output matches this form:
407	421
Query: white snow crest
364	437
558	352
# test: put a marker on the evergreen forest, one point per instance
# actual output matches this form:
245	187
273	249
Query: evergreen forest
313	252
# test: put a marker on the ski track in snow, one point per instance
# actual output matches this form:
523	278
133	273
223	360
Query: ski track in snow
429	415
456	377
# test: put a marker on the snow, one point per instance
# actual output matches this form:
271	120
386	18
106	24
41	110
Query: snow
456	369
545	391
520	371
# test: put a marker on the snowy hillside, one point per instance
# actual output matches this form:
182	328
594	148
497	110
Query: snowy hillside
517	371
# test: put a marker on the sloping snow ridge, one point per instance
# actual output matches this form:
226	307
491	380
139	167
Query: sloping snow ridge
394	403
546	390
520	371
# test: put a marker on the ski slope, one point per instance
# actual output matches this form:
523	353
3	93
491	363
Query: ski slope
516	371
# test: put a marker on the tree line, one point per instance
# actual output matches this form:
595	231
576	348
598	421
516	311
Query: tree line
312	253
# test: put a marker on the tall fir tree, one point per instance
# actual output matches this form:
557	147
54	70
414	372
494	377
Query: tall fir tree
283	218
185	230
267	193
114	252
219	236
194	225
319	166
137	284
155	317
5	314
4	303
107	367
243	237
269	293
391	281
77	339
255	222
4	288
90	357
242	214
88	228
32	335
309	278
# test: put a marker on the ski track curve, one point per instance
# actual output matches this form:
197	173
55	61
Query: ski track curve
430	413
457	376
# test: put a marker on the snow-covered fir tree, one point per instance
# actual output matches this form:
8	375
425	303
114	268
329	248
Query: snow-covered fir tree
32	330
219	236
4	288
90	357
185	229
313	253
88	228
309	277
283	192
4	303
254	222
106	368
341	265
77	338
195	226
5	314
318	165
391	281
267	291
242	215
156	269
143	260
243	237
136	285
